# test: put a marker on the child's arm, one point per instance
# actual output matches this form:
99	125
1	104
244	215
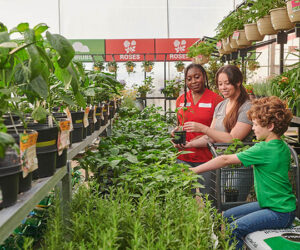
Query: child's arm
218	162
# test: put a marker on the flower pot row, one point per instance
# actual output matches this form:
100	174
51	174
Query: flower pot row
278	19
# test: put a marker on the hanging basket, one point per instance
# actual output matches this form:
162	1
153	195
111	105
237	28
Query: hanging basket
223	52
112	68
280	19
129	69
226	45
200	59
242	40
293	15
233	44
180	68
148	68
252	33
264	26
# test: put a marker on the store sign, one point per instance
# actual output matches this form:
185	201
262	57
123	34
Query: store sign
175	49
84	48
122	50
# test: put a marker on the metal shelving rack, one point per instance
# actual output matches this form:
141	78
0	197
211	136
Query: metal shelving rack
11	217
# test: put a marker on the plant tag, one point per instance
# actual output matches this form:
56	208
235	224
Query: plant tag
85	117
219	45
63	140
50	121
200	57
115	103
236	35
94	114
29	160
295	5
204	105
227	40
68	113
188	104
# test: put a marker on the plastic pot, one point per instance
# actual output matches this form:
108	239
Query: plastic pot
179	137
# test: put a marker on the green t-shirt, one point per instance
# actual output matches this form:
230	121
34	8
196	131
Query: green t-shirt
271	163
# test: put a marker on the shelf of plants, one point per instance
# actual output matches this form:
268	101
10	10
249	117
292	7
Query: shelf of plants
12	216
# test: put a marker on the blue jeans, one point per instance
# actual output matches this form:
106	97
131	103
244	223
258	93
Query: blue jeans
206	176
251	217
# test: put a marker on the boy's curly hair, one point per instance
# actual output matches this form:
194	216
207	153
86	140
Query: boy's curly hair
270	110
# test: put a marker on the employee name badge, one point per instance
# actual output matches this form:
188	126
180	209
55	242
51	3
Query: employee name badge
188	104
94	114
63	140
295	5
29	160
204	105
85	117
69	117
236	35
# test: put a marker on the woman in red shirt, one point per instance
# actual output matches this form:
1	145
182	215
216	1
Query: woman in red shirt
201	103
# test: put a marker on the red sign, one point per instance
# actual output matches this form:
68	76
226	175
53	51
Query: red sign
176	49
129	49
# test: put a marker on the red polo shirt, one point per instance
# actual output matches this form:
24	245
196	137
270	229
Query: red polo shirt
201	112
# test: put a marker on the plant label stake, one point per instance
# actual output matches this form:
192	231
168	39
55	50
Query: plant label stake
29	160
85	117
63	139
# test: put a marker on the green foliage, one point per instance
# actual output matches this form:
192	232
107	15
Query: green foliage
173	87
211	69
179	64
201	48
146	87
130	64
99	64
147	63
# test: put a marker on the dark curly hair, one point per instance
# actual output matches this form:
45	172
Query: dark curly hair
270	110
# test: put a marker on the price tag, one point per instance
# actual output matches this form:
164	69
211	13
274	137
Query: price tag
29	160
102	110
219	45
236	35
94	114
63	140
68	113
115	103
85	117
295	5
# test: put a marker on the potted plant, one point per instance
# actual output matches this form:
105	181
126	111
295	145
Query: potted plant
147	66
173	87
130	66
200	52
279	16
180	134
145	88
293	11
179	65
253	65
99	66
112	66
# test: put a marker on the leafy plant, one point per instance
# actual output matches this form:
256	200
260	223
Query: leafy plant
147	65
130	66
112	66
179	65
253	65
173	87
99	65
146	87
202	48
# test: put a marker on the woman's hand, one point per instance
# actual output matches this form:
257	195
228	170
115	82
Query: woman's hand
174	130
195	127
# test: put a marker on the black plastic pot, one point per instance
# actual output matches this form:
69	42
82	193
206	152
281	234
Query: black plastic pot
111	109
46	149
98	116
59	115
105	114
10	169
61	160
179	137
24	183
77	121
7	119
84	133
231	195
90	127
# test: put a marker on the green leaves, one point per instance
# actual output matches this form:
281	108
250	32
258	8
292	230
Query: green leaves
39	86
63	47
6	140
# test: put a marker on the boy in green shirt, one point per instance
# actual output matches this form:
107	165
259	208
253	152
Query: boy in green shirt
276	203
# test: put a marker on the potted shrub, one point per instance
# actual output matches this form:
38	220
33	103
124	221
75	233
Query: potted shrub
253	65
130	66
147	66
179	65
145	87
99	66
200	52
279	16
173	88
112	66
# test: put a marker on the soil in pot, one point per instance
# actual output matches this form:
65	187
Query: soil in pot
179	137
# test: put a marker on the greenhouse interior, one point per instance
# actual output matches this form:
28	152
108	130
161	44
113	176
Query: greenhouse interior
163	124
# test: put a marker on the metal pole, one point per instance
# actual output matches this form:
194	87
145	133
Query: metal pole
59	28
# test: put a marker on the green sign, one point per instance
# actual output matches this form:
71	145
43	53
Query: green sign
87	49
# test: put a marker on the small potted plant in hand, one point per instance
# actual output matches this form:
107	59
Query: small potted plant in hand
180	134
147	65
